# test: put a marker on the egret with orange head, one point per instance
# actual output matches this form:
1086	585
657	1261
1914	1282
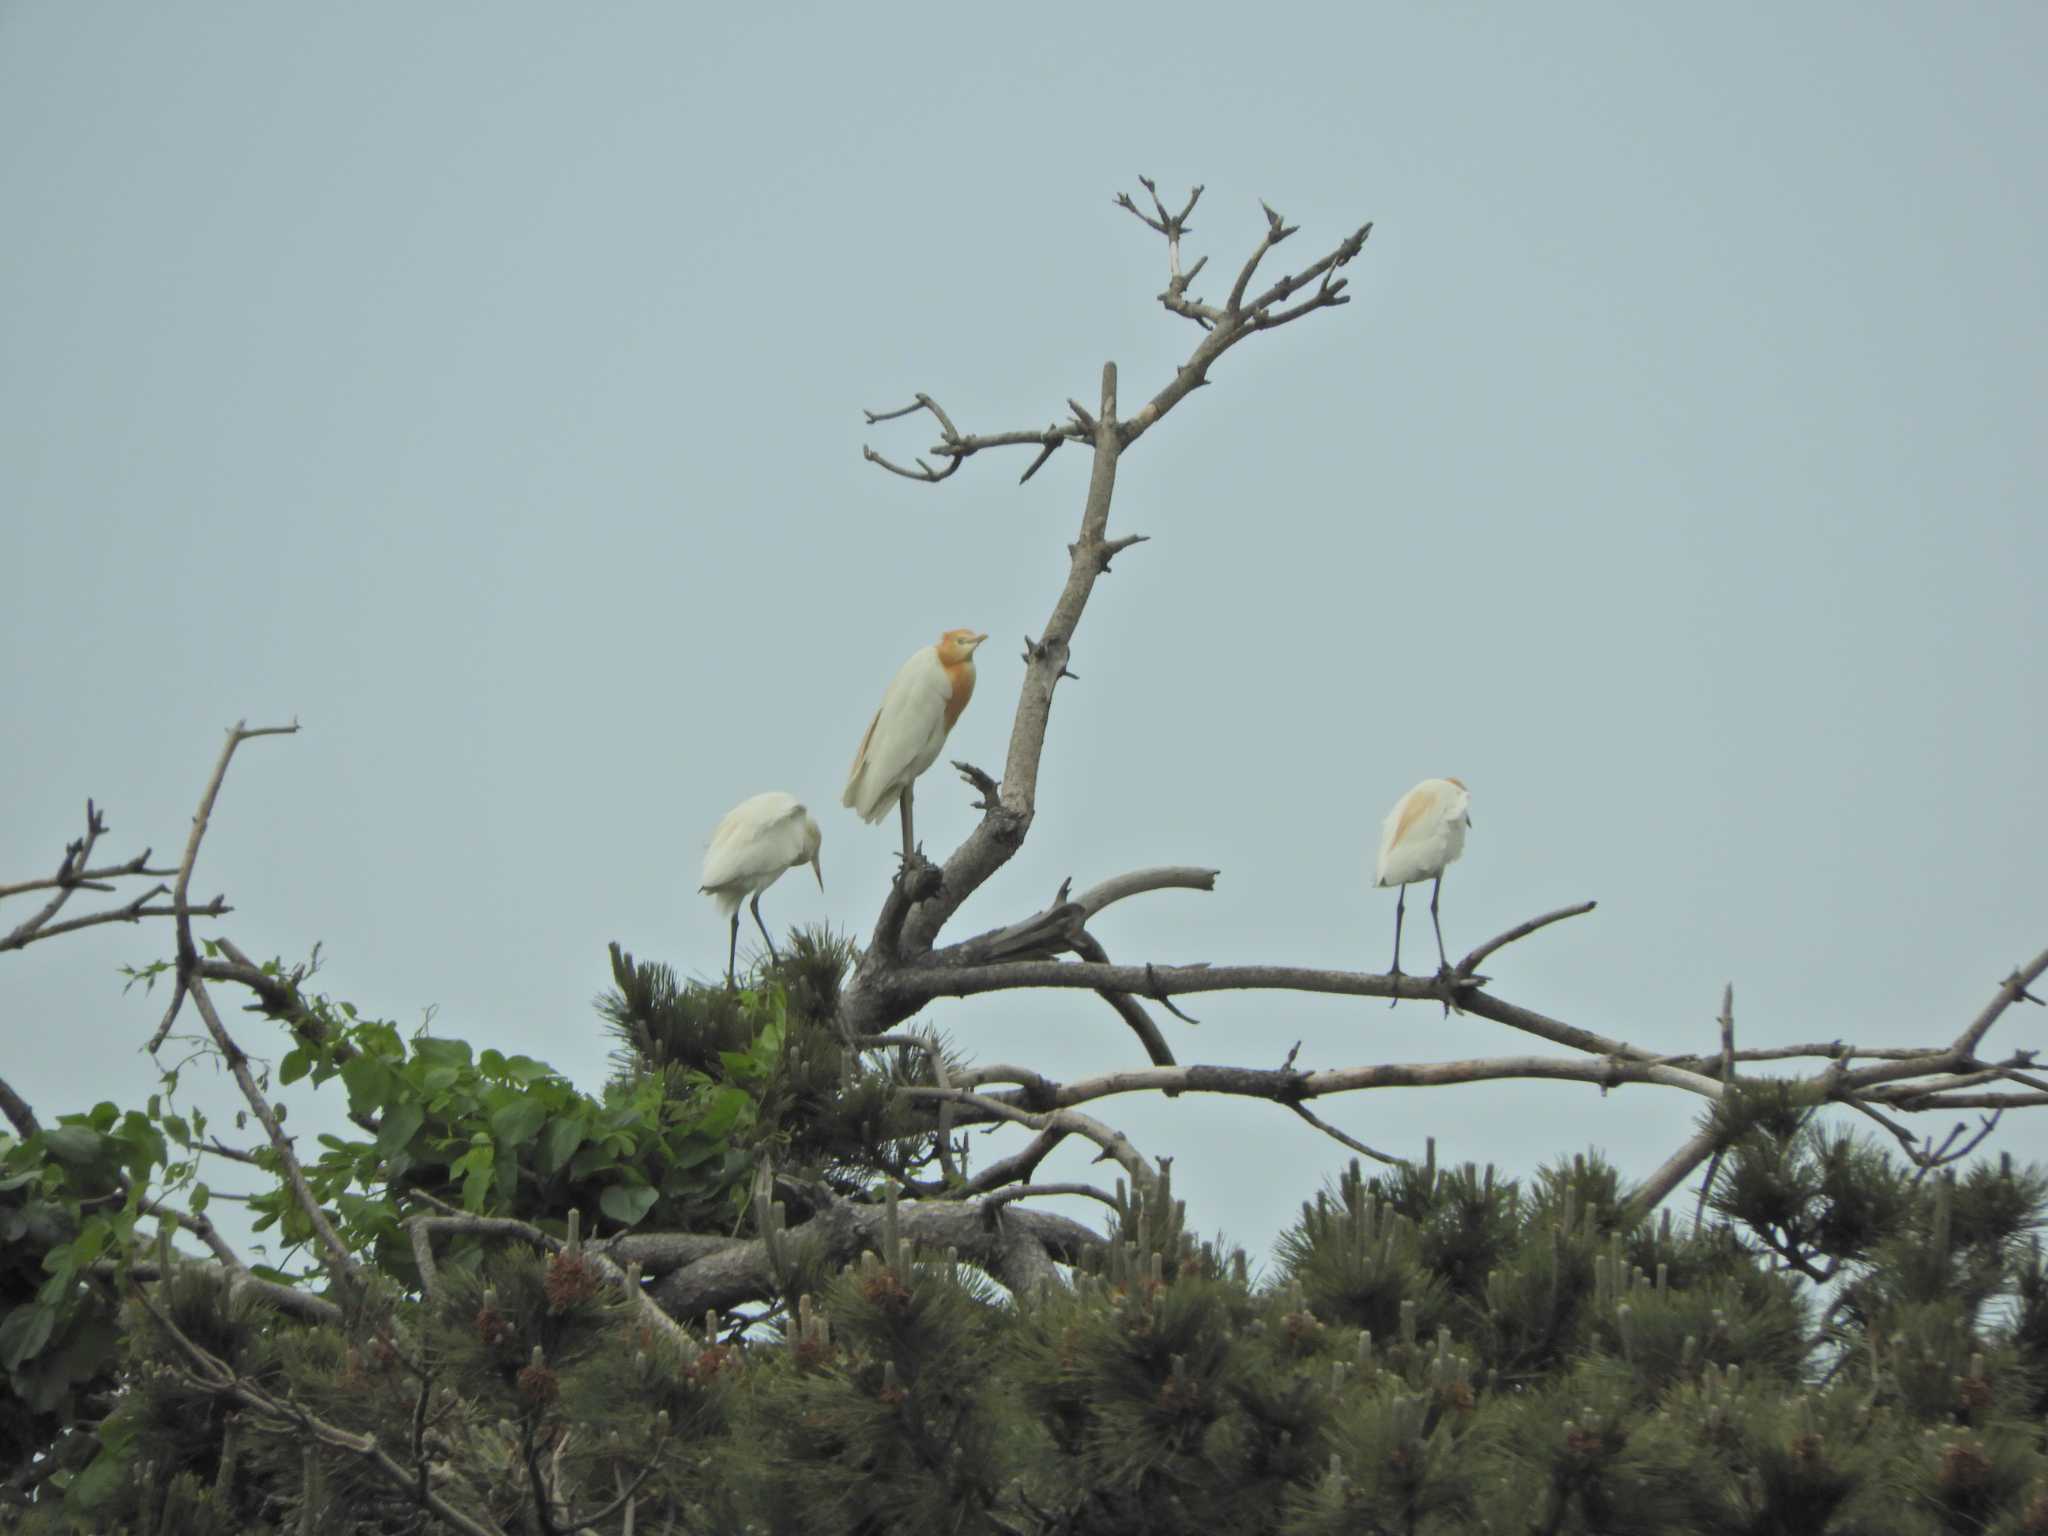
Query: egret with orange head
1423	834
908	731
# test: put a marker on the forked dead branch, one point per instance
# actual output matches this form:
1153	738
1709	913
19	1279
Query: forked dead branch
983	1212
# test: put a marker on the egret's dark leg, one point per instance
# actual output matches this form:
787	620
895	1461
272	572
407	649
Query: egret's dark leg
903	806
1400	909
1436	891
755	906
732	951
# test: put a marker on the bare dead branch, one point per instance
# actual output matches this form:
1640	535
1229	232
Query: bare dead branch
100	879
1277	229
918	880
2010	991
134	912
1128	1008
1469	966
1002	829
741	1272
1673	1172
200	1228
17	1110
1727	1022
1173	226
1006	823
74	874
1290	1086
1018	1166
1167	877
955	447
915	985
77	855
1338	1136
1038	1191
1114	1143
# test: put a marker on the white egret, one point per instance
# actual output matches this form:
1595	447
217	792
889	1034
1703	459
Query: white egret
751	847
905	737
1423	834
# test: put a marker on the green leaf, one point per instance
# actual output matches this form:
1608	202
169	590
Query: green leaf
200	1195
518	1122
25	1332
560	1140
626	1204
74	1146
400	1124
477	1165
107	1474
590	1158
721	1110
296	1064
368	1082
436	1052
695	1152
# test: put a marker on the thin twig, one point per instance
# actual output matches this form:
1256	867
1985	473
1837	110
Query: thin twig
1352	1142
1471	963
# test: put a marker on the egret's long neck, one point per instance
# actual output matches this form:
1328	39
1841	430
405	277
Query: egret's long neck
961	675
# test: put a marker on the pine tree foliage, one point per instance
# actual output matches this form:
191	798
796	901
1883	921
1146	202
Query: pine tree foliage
1842	1346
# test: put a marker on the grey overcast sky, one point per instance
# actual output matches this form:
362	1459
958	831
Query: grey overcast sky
481	386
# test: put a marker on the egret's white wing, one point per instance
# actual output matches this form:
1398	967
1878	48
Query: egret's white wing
1423	832
755	841
906	735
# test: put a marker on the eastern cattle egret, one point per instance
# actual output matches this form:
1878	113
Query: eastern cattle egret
750	848
908	730
1424	832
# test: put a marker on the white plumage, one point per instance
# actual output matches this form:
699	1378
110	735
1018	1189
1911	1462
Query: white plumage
1423	834
918	711
752	846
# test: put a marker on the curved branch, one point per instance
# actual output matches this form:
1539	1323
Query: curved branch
1127	1007
1339	1137
1039	1191
742	1272
1470	964
983	1108
1166	877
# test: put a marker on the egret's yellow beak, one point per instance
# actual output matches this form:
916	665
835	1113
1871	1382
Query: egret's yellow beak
820	873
